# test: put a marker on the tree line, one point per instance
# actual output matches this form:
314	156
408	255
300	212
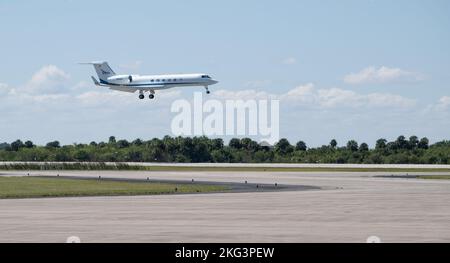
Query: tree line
403	150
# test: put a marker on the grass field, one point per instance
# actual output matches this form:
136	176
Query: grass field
126	167
39	187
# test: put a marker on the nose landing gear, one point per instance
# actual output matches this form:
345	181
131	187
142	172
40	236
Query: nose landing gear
207	90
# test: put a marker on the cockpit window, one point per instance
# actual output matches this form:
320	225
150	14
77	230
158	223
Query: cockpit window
206	77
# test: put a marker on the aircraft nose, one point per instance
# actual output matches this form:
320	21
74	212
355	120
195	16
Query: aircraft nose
214	82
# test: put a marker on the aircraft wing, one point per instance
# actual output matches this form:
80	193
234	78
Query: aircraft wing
154	87
134	89
124	89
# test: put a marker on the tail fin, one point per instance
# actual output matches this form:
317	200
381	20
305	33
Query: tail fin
103	70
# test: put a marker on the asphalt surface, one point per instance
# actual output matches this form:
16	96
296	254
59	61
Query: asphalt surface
348	207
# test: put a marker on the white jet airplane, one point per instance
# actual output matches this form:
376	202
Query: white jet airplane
150	83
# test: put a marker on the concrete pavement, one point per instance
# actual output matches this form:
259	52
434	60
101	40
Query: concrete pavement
350	208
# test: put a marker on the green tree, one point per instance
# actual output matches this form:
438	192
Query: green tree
62	156
245	142
16	145
137	142
333	143
364	147
5	146
122	144
217	144
112	140
201	152
203	149
381	144
301	146
235	143
134	156
424	143
352	145
249	145
283	147
220	156
29	144
413	142
253	146
54	144
401	142
82	156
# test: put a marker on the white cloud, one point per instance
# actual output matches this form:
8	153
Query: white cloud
4	89
303	95
100	98
83	112
443	104
382	75
334	97
310	97
48	80
242	95
389	100
82	86
289	61
46	98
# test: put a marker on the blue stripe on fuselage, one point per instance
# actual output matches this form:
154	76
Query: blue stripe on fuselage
145	84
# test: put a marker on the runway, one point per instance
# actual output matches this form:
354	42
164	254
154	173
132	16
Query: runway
258	165
349	207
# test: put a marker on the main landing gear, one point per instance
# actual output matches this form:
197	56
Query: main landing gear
152	94
142	96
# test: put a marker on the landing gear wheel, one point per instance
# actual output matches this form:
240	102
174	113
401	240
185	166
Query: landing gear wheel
141	96
151	96
208	92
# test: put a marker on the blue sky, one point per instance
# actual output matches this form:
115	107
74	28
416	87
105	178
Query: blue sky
353	69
